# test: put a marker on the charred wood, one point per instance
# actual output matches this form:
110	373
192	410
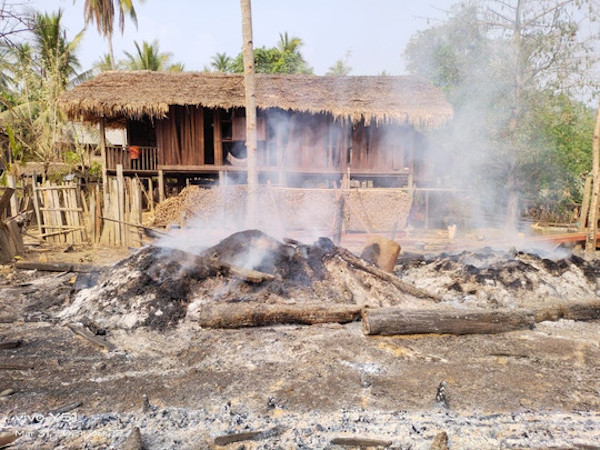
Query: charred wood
360	442
407	288
238	315
80	331
7	345
56	267
66	408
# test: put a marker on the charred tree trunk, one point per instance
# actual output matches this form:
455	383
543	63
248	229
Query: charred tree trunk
239	315
250	87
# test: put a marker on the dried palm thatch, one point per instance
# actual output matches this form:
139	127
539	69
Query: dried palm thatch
119	95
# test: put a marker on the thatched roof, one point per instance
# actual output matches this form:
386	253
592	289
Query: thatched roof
116	95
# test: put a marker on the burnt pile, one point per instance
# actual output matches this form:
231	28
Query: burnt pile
248	278
488	278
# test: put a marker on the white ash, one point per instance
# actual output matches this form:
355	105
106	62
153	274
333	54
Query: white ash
175	428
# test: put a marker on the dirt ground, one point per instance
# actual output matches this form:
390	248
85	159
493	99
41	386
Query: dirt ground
301	386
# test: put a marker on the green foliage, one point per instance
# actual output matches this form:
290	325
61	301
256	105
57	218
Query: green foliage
283	58
512	71
149	57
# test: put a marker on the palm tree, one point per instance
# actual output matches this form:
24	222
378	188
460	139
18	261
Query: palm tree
340	68
250	90
221	62
102	13
288	44
149	57
38	73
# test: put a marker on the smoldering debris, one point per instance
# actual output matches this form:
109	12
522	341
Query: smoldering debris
510	279
252	279
273	281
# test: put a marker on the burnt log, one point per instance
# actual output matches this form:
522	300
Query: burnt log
402	286
569	311
240	315
360	442
57	266
398	320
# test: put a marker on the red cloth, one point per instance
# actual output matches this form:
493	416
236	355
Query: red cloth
134	152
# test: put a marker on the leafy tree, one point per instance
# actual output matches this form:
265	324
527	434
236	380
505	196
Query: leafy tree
340	67
284	58
505	65
221	63
102	13
39	71
149	57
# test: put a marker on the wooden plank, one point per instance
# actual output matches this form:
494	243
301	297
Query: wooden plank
15	235
400	320
5	200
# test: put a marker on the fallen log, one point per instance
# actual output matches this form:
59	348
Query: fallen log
407	288
57	266
398	320
360	442
7	345
240	315
569	311
15	366
65	409
227	439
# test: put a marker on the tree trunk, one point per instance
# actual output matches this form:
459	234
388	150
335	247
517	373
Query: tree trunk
590	243
399	320
250	86
111	53
239	315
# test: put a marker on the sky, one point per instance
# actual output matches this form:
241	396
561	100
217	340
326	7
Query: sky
370	34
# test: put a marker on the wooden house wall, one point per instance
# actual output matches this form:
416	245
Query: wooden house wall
381	148
180	136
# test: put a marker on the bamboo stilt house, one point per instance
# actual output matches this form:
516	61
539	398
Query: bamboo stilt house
311	129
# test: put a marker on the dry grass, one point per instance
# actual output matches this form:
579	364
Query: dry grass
399	99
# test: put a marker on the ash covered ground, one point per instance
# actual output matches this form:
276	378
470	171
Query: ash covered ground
299	386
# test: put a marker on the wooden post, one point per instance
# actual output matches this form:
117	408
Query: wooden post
161	186
104	162
585	203
120	210
14	202
36	203
590	243
151	195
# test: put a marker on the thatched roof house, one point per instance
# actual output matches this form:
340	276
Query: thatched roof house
401	99
194	123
